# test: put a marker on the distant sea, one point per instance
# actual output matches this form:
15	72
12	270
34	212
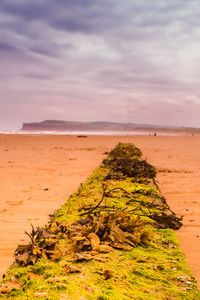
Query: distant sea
107	133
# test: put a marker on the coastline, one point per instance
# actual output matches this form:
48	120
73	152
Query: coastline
40	172
136	132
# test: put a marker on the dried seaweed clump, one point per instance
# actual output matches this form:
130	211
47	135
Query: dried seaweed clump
43	244
123	161
107	231
128	167
125	150
167	220
102	232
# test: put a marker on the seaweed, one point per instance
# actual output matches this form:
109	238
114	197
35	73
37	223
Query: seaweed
167	221
125	150
158	209
105	231
43	244
102	232
124	162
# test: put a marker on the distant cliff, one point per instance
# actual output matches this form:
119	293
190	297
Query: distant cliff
55	125
77	126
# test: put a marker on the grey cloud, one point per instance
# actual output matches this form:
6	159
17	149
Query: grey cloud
50	49
25	9
92	16
5	47
44	51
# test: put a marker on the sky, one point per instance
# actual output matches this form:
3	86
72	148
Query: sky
108	60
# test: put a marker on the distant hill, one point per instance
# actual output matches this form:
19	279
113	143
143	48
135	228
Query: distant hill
55	125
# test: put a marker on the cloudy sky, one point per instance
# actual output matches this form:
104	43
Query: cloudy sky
107	60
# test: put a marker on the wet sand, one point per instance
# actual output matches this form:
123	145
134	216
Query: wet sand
38	174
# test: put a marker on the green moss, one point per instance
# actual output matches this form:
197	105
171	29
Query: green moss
159	271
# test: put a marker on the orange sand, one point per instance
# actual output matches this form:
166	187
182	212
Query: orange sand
31	164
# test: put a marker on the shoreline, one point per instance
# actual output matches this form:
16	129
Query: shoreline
40	172
118	133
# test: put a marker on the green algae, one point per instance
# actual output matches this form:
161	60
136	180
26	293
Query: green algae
159	271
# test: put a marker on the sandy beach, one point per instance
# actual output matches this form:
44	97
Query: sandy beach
39	172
